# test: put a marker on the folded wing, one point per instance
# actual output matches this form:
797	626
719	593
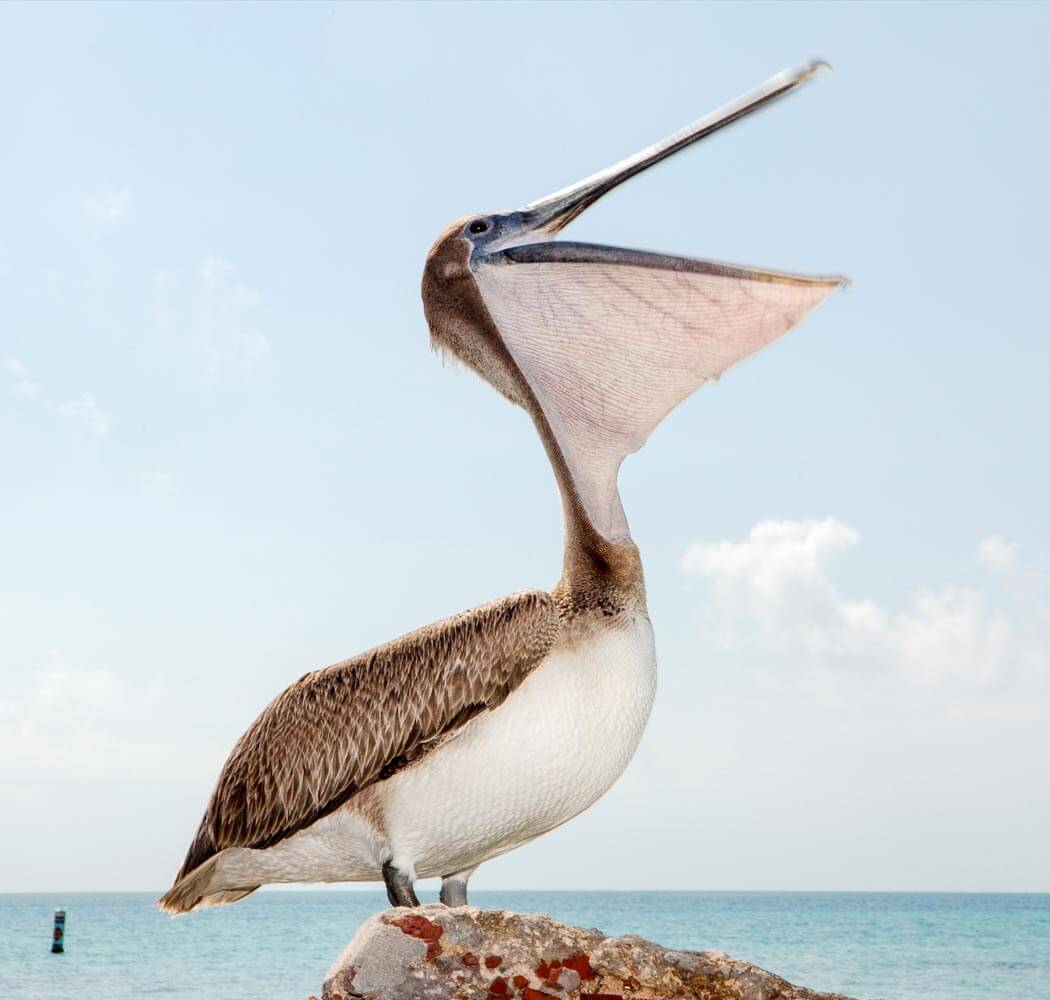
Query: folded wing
338	730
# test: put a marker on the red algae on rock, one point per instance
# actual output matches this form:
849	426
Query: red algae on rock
419	927
579	963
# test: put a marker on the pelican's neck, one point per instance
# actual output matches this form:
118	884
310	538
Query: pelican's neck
600	556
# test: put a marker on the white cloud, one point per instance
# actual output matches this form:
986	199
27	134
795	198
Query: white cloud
111	206
779	570
227	340
774	594
24	386
240	350
996	554
85	409
245	296
218	273
250	348
215	269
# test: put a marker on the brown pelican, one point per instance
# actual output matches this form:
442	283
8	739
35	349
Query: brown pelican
472	736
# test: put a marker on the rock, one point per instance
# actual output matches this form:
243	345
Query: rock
436	953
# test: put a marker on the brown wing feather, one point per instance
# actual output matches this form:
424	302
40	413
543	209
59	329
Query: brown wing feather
338	730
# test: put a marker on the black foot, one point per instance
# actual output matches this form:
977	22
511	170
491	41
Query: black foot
398	886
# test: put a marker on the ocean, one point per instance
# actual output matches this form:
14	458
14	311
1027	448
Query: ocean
898	946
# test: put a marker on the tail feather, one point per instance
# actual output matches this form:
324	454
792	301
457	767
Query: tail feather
224	896
194	891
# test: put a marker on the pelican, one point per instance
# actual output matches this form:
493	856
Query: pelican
465	739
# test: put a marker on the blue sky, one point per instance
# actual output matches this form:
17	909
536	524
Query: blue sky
229	455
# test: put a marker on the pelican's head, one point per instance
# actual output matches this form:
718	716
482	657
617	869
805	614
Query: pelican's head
600	343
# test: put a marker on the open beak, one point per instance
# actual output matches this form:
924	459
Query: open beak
552	214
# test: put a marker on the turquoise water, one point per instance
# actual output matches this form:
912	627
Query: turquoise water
901	946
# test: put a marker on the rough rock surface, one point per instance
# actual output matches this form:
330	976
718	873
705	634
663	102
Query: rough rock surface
436	953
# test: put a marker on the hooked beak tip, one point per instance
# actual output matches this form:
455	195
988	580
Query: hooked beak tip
552	214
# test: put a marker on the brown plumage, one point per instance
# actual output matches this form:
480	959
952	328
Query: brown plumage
337	730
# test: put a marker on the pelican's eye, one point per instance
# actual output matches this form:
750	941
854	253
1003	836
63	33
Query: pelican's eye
478	226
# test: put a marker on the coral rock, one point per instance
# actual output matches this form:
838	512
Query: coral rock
420	955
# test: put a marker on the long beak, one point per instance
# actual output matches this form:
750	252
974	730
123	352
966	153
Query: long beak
553	213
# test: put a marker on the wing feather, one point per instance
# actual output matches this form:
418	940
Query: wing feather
337	730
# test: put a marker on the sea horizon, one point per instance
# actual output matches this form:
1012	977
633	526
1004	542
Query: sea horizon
423	889
896	945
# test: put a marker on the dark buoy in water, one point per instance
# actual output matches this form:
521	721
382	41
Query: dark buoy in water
58	936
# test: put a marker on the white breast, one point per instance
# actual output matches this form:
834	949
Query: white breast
551	749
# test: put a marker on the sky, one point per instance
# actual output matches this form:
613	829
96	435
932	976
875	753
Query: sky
229	455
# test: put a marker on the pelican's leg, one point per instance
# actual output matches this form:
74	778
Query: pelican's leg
398	886
454	887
